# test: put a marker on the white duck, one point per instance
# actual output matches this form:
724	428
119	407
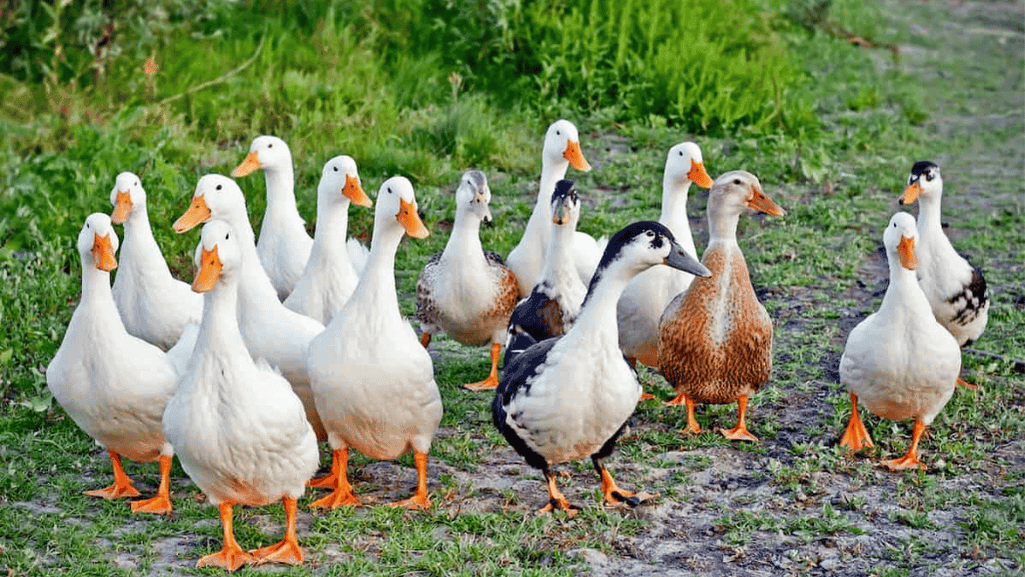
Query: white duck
554	304
112	384
648	294
239	430
466	291
154	306
270	330
284	245
373	381
527	259
715	340
329	278
569	397
956	290
900	362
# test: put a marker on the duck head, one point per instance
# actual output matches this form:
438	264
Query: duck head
217	256
97	242
127	194
924	180
738	190
562	144
565	204
642	245
216	196
684	164
267	153
396	202
474	195
900	238
339	179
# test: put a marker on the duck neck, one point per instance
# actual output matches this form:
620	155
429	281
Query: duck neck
598	311
378	279
464	243
903	291
332	229
674	212
559	262
95	283
722	226
552	171
281	189
139	247
929	221
257	285
219	330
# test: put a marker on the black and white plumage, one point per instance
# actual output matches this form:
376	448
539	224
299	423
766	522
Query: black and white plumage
956	290
568	397
555	301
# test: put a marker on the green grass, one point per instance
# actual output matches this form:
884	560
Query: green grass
832	140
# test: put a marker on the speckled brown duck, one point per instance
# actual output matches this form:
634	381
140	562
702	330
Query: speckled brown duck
715	339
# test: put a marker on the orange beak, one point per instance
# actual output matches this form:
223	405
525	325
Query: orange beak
353	190
410	220
575	157
209	271
911	193
906	250
762	203
251	163
103	253
698	176
122	207
197	213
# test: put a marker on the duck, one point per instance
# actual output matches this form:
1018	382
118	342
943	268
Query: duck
466	291
329	277
900	362
561	150
372	379
284	245
955	288
570	397
270	331
648	293
715	339
113	385
555	300
153	305
239	431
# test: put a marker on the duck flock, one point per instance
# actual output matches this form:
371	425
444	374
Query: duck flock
284	341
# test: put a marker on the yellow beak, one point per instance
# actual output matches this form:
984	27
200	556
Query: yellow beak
906	250
410	220
698	176
103	253
575	156
197	213
122	207
251	163
209	271
353	190
762	203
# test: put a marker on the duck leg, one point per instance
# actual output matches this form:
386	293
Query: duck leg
492	381
740	432
645	396
556	500
967	385
692	423
910	460
425	339
287	550
420	500
231	556
613	494
161	504
342	494
122	486
329	481
856	436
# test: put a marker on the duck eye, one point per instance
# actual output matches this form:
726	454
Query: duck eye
219	187
389	190
681	153
336	168
226	236
271	145
136	183
651	234
736	181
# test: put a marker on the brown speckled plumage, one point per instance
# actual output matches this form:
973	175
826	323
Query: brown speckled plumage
712	365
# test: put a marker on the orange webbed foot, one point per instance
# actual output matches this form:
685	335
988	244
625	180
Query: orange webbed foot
647	397
908	461
561	504
489	383
230	558
286	551
115	491
415	503
337	498
677	400
739	434
329	481
967	385
160	505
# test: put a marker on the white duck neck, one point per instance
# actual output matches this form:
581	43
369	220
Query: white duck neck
552	171
598	312
559	264
674	212
257	286
904	294
280	189
722	225
464	243
930	222
95	283
139	248
332	229
219	330
377	283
